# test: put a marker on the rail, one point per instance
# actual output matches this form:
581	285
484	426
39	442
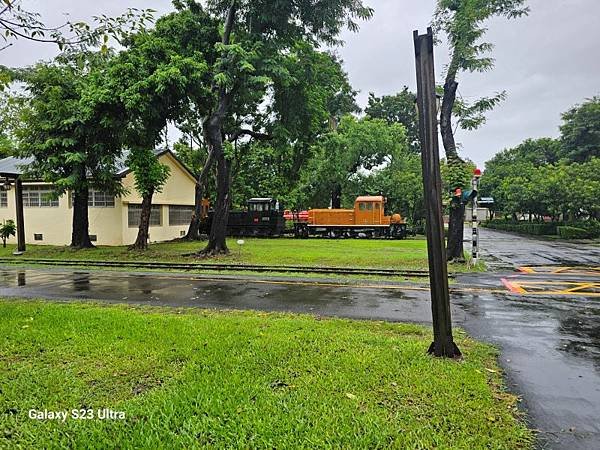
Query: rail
219	267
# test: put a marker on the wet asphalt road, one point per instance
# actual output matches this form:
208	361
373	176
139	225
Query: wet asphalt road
506	250
550	344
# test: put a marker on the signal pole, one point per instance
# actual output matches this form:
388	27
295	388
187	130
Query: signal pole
443	342
474	221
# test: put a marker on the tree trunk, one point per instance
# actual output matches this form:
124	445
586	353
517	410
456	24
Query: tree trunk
217	242
213	132
454	246
456	225
141	242
336	197
193	233
80	236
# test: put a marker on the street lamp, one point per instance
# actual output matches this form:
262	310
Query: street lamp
6	185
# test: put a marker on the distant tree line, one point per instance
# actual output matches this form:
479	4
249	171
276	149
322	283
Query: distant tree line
551	179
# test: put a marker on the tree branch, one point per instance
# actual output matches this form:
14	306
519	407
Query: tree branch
255	134
229	21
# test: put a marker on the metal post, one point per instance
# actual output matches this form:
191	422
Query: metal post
443	342
474	221
20	216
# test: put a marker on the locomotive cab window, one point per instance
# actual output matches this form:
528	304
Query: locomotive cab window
258	207
377	206
369	206
361	206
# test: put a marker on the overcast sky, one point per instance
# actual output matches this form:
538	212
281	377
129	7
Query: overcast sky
546	62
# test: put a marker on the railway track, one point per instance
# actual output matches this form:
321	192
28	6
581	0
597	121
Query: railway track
218	267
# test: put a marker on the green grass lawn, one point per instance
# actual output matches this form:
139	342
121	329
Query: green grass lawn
405	254
195	378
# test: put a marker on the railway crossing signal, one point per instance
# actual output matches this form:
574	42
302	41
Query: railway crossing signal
474	221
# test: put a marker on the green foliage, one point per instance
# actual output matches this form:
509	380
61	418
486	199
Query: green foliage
507	175
398	108
67	128
471	116
538	229
344	155
580	132
149	173
284	22
456	176
7	229
11	109
531	179
192	158
462	21
400	182
572	233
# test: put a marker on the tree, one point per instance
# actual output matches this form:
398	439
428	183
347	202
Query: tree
153	81
11	107
580	131
398	108
344	155
71	133
7	230
150	175
516	162
255	37
462	21
399	181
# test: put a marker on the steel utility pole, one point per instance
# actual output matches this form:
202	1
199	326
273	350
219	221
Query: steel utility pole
443	342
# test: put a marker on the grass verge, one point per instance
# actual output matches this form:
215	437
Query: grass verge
410	254
192	378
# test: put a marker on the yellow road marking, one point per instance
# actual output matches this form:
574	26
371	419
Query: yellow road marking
563	270
569	288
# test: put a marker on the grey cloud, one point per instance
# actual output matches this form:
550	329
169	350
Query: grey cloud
546	62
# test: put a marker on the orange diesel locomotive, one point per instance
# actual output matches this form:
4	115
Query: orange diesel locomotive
367	219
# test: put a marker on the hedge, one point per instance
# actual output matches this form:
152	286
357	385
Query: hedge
589	229
573	233
526	228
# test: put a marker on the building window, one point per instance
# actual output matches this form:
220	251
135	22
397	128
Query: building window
3	199
39	197
135	211
93	237
99	199
180	215
38	237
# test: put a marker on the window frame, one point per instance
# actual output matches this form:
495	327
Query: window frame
100	199
180	210
137	207
42	196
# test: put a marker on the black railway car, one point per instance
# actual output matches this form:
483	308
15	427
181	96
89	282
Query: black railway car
262	218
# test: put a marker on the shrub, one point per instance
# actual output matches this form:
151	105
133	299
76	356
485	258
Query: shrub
523	227
573	233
